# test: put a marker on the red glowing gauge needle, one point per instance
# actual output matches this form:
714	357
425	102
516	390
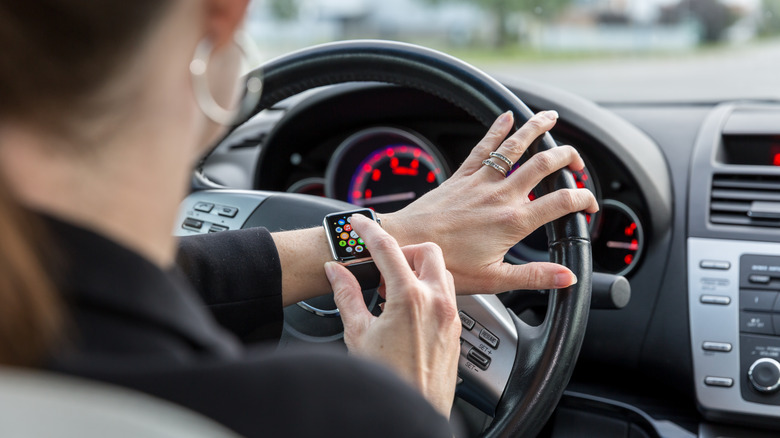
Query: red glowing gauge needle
632	246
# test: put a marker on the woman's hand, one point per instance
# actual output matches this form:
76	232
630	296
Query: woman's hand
418	332
477	215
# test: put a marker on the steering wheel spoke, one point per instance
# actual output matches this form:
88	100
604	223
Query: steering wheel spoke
488	350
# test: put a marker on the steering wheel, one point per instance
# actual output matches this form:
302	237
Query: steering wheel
509	369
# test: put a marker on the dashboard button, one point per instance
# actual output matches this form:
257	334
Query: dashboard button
725	382
764	374
478	359
758	301
723	347
217	228
466	320
751	322
715	299
715	264
204	206
227	211
759	279
192	224
488	337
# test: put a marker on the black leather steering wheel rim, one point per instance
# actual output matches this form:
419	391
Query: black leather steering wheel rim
546	354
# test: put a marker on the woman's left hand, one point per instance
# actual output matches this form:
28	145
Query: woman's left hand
477	215
418	332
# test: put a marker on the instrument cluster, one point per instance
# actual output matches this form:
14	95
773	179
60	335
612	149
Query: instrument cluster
387	168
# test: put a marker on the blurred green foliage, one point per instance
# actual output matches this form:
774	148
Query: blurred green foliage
284	9
770	18
503	10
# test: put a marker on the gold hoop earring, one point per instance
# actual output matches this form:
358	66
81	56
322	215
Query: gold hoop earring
253	83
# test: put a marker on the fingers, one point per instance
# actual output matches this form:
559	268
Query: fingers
385	251
532	276
348	298
427	260
543	164
495	135
559	203
515	146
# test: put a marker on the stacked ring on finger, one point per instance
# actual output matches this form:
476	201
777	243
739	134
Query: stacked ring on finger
503	158
491	163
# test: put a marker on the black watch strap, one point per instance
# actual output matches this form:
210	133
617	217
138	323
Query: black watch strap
366	273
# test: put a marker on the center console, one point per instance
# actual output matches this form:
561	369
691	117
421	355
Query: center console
734	263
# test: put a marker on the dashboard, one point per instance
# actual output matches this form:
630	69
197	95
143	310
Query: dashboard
690	215
388	161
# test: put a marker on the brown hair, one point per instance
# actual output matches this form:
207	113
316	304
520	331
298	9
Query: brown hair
29	310
56	57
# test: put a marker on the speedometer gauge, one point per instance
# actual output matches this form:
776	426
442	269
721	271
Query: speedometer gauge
384	169
621	239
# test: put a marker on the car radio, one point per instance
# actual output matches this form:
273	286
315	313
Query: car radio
733	290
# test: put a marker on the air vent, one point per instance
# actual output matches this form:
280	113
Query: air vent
751	200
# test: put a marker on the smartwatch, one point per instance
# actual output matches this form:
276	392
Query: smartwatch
348	248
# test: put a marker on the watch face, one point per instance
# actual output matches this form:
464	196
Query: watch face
344	241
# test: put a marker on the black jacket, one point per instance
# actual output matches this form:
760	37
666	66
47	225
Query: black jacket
136	325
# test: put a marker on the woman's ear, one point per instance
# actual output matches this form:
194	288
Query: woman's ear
223	18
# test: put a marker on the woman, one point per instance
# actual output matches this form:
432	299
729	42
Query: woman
99	129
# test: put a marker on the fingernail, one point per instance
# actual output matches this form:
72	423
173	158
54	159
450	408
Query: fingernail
505	118
564	280
330	270
552	115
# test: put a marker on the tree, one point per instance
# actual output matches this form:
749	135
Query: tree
501	10
713	16
284	9
770	17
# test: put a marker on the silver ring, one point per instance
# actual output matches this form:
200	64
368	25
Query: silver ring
490	163
502	158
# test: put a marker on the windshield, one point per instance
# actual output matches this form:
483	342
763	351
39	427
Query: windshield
605	50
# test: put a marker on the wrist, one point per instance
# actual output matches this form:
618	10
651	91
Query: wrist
394	224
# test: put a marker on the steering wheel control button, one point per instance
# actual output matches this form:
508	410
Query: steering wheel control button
715	264
751	322
478	359
719	300
758	301
759	279
192	224
217	228
467	321
764	375
723	382
226	211
488	338
205	207
723	347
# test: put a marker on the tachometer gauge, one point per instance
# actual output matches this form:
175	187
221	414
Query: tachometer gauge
621	239
384	169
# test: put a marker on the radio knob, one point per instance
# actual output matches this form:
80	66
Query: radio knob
764	374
